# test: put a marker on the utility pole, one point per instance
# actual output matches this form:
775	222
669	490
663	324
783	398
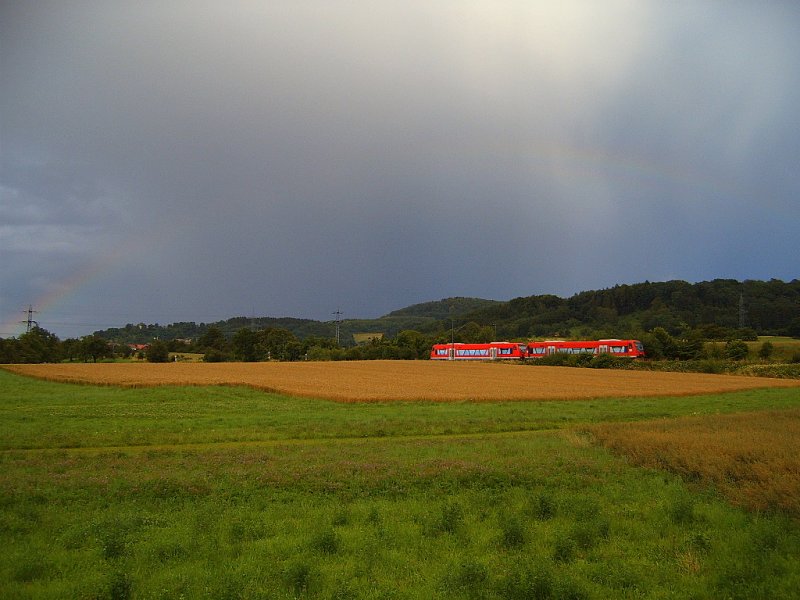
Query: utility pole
338	314
29	322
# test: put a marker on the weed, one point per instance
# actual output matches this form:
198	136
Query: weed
341	518
30	568
564	548
543	506
512	532
451	518
117	587
469	578
680	508
526	582
588	533
326	541
298	576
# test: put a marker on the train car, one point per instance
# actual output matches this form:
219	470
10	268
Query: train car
614	347
488	351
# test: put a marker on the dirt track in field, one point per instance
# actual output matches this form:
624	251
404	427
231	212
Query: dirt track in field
367	381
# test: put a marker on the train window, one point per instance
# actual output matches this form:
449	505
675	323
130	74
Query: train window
473	352
441	352
537	350
505	351
618	349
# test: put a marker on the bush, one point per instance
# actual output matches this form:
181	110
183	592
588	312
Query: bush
512	532
544	507
451	519
326	542
157	352
467	579
214	356
736	350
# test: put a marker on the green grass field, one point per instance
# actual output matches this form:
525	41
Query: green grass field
231	493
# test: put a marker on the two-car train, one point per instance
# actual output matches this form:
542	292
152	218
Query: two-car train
523	350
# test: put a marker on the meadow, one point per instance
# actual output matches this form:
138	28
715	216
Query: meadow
233	492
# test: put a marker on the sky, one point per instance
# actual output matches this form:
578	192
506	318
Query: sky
166	161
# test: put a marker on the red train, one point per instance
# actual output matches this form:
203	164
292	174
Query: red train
490	351
614	347
520	350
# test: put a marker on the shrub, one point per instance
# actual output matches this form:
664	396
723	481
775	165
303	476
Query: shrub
298	576
544	507
213	356
467	579
512	532
736	350
564	549
326	542
451	518
526	582
157	352
711	366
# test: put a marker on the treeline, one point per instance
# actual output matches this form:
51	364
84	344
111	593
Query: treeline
250	345
246	345
40	346
674	319
718	308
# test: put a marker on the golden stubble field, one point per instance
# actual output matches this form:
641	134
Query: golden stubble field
366	381
750	457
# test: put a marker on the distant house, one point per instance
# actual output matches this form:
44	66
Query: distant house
139	347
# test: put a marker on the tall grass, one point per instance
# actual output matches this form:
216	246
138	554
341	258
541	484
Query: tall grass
38	414
751	457
372	504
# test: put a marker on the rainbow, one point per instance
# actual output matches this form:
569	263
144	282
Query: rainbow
14	323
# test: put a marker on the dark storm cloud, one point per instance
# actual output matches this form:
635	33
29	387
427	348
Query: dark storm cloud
192	160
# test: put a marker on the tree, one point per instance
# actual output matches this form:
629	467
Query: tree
736	350
70	349
766	350
7	351
93	347
278	343
124	351
157	352
39	346
213	338
414	341
793	329
245	345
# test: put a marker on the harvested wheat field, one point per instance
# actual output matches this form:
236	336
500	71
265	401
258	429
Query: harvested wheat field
367	381
750	457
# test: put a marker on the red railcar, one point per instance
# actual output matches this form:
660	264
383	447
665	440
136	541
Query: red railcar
488	351
614	347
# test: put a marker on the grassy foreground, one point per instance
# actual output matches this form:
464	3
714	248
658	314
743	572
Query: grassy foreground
231	493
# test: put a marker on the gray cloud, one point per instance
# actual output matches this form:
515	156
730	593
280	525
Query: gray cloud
185	160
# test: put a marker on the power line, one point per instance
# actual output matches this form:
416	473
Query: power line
338	314
29	322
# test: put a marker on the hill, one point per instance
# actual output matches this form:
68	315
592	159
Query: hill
717	307
446	308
